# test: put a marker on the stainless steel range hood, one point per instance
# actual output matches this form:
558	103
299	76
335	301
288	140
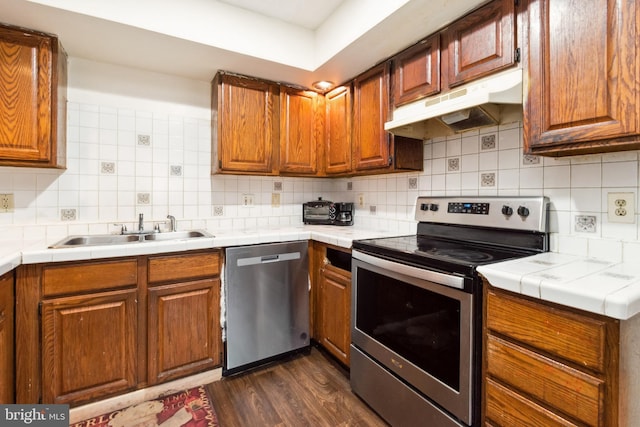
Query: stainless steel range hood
487	102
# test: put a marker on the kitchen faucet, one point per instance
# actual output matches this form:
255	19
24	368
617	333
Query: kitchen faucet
141	223
172	220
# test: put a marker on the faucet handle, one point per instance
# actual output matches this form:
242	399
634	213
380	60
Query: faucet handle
123	228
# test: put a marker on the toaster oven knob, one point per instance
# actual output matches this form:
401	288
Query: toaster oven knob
433	207
523	211
507	210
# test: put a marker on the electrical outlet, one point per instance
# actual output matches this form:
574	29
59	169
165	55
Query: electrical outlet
247	200
621	207
6	203
361	200
275	200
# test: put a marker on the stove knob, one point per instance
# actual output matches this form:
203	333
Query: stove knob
523	211
507	210
433	207
424	207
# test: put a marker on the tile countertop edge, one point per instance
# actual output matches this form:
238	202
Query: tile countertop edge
15	253
611	289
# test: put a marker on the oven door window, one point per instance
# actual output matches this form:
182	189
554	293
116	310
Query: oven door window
420	325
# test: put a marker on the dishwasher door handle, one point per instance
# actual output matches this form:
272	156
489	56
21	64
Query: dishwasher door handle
266	259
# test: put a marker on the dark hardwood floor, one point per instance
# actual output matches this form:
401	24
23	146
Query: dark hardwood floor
305	390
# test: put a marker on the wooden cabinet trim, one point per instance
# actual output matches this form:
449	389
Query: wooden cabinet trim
166	268
63	279
7	338
574	337
575	393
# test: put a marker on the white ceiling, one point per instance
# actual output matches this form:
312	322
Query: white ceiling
308	14
295	41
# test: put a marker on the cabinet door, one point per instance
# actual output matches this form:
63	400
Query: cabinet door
30	122
583	77
246	122
335	307
88	346
416	71
300	131
7	366
338	131
482	42
184	329
370	110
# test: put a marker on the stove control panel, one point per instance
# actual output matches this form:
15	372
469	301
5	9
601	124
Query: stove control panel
522	213
469	208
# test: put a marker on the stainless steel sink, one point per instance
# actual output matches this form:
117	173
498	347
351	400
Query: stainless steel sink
119	239
177	235
96	240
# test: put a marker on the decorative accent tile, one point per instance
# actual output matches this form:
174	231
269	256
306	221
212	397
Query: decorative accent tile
277	186
413	183
108	167
488	179
218	210
529	159
349	186
175	170
68	215
488	142
372	210
144	198
585	224
453	164
144	140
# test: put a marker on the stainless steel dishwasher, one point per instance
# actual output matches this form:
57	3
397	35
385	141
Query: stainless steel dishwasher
267	303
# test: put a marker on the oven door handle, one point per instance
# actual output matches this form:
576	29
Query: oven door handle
408	270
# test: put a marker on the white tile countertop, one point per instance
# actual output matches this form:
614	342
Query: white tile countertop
16	252
594	285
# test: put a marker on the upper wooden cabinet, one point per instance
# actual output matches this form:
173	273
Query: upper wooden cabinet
370	111
583	77
417	71
245	125
374	149
337	147
481	43
33	87
301	128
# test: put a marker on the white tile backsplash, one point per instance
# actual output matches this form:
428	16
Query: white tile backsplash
104	127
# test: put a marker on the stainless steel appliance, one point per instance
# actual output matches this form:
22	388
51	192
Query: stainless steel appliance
267	303
324	212
417	306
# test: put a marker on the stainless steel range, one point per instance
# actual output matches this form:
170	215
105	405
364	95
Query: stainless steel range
417	306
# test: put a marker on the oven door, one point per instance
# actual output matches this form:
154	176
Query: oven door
418	324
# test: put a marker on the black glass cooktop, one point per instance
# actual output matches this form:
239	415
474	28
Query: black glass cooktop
442	254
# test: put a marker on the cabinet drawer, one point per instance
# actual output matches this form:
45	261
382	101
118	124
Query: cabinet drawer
506	408
88	277
569	335
183	267
569	390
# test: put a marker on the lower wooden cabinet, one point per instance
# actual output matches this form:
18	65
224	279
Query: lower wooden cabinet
7	368
89	346
332	296
115	325
183	335
548	365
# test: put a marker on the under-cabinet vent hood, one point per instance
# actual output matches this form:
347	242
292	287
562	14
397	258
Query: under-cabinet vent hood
487	102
